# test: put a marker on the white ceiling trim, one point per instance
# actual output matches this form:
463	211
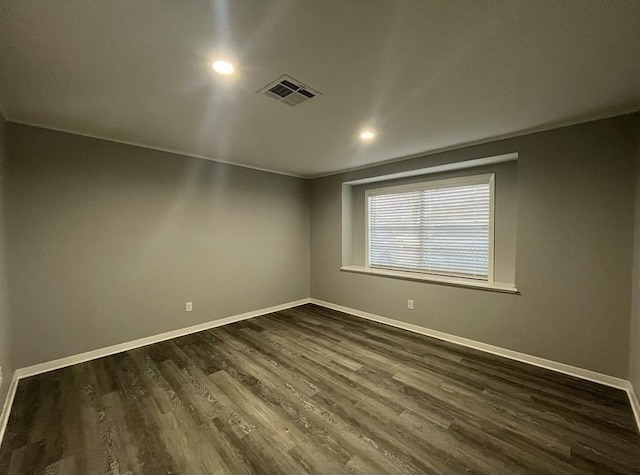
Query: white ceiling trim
535	130
487	140
152	147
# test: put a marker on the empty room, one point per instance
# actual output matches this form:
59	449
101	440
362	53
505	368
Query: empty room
319	236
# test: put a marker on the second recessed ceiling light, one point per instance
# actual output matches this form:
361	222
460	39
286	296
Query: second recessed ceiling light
367	135
223	67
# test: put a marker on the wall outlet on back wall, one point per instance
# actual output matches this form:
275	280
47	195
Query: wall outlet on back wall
410	304
189	306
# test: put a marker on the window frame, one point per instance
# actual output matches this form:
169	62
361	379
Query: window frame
430	185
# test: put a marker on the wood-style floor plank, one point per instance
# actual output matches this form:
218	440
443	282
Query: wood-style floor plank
311	390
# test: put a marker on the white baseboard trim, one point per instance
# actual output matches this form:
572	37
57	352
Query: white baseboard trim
8	402
130	345
635	405
496	350
581	373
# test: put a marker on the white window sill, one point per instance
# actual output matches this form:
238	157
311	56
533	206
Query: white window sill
434	279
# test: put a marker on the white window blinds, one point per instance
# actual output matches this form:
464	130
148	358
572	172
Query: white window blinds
439	227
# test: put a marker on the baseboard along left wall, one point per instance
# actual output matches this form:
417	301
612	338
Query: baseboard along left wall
33	370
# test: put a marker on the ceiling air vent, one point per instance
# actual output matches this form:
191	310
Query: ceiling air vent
289	91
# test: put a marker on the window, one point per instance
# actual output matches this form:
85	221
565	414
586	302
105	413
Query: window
440	227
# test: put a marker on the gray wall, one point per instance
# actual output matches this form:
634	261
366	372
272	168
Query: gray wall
634	334
5	357
108	242
573	262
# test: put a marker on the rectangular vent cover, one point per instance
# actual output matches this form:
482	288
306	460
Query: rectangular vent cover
289	91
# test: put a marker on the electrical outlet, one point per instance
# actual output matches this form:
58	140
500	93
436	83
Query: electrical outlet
410	304
189	306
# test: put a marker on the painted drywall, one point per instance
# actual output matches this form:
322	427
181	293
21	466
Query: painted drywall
634	333
575	195
108	241
505	215
5	356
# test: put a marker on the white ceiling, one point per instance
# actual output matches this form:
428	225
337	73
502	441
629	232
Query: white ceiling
426	74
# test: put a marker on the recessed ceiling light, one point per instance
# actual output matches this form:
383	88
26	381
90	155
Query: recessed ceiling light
223	67
367	135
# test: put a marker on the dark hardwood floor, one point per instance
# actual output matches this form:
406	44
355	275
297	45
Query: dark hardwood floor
314	390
